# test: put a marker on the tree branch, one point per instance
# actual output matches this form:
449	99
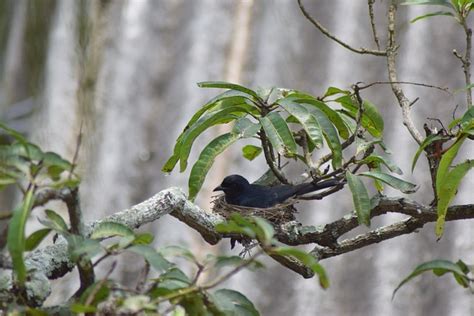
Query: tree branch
326	32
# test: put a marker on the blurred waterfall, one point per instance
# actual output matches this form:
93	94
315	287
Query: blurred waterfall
150	56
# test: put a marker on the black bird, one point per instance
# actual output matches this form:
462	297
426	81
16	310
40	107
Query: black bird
238	191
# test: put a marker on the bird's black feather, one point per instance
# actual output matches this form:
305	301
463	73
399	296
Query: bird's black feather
238	191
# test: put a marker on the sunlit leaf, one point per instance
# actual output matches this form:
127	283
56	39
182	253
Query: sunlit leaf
278	133
250	152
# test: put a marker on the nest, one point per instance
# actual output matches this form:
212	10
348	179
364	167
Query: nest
281	213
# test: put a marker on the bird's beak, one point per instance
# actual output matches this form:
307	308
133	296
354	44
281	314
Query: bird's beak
219	188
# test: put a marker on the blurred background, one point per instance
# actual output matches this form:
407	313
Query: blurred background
127	71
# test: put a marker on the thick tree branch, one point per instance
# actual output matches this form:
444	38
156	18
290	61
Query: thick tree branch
53	261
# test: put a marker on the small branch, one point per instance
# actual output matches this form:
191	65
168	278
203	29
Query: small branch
392	75
372	22
326	32
444	89
268	153
466	61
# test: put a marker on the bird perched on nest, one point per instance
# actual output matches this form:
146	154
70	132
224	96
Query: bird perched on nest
238	191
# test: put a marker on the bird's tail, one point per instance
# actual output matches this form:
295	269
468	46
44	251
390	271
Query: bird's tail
310	187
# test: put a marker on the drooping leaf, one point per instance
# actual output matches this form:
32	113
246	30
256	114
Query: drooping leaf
36	238
55	221
382	159
440	265
447	192
360	197
446	161
231	302
305	118
308	260
228	85
250	152
372	121
245	128
279	134
330	134
154	258
333	115
17	136
426	142
394	182
205	161
16	236
219	116
431	14
80	247
264	230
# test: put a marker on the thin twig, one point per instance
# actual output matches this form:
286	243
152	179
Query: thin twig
326	32
405	82
97	287
372	22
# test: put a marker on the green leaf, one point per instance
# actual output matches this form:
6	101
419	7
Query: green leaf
36	238
334	90
205	161
17	136
360	197
178	251
219	116
394	182
372	121
279	134
428	15
245	128
81	308
427	2
250	152
330	135
231	302
446	161
308	260
154	258
467	118
265	230
228	85
143	239
235	261
447	191
16	236
80	247
226	99
333	115
306	119
111	229
379	160
56	221
426	142
443	265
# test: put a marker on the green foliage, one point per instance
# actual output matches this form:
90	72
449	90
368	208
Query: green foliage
360	197
459	270
279	118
